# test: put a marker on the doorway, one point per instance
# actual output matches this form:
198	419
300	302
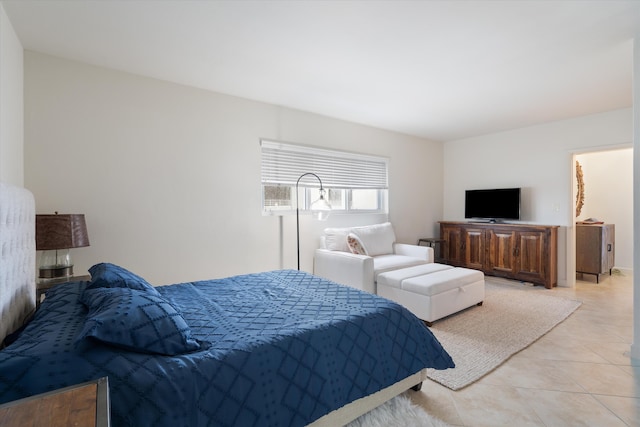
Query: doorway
608	197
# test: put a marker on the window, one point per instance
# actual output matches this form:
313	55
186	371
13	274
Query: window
355	183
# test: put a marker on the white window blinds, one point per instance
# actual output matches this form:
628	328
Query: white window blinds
283	164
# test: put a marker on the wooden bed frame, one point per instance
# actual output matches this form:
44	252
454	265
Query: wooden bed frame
18	289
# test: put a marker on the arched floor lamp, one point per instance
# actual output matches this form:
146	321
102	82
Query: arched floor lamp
320	208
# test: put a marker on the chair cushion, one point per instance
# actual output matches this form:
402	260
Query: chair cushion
394	278
377	239
383	263
335	239
442	281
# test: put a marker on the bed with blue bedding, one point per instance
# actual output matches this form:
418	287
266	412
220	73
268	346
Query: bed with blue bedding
281	348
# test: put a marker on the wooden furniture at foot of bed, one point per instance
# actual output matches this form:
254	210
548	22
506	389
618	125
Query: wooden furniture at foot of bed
82	405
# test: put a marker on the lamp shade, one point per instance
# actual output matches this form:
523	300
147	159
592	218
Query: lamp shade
321	209
61	232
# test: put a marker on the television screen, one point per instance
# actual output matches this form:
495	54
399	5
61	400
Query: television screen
500	203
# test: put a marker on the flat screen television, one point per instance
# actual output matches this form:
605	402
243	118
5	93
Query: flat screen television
493	205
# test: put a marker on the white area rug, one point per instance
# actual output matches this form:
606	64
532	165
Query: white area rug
481	338
397	412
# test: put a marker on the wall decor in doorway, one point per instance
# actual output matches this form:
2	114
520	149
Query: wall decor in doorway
580	194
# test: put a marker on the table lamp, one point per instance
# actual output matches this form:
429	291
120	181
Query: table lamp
55	235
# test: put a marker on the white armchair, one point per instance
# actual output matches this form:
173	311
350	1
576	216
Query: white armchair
375	252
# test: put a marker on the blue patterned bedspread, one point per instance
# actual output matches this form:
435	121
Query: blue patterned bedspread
286	348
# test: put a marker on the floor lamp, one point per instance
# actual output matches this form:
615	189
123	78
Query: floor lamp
320	208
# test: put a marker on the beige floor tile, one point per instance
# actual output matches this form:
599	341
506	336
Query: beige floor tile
586	329
632	370
604	379
532	373
616	353
579	374
482	405
438	401
627	408
570	409
562	348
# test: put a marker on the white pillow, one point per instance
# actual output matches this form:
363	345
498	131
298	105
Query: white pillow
335	239
376	239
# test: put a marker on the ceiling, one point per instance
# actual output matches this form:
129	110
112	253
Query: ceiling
442	70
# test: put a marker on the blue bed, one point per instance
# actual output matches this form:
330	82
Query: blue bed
280	348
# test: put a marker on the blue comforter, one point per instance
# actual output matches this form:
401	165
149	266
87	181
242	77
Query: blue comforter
284	349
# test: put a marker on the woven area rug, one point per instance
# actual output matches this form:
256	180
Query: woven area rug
397	412
481	338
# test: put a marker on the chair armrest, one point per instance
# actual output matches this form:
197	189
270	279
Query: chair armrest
345	268
422	252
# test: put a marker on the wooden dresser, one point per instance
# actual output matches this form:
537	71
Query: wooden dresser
515	251
595	248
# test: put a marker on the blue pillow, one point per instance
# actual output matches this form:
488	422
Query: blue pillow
106	275
135	320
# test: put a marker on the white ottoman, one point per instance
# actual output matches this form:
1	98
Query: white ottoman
433	291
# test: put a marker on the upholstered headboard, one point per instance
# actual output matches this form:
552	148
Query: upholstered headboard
17	257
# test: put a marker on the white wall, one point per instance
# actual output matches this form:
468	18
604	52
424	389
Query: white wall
538	159
11	104
608	181
169	176
635	347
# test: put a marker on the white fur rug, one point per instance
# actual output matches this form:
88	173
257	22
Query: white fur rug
397	412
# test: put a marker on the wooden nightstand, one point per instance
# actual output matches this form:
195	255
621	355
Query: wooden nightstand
43	286
432	242
82	405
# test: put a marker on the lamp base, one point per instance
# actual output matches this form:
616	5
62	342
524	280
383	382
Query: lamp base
56	271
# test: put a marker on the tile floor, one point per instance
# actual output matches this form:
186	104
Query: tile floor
579	374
